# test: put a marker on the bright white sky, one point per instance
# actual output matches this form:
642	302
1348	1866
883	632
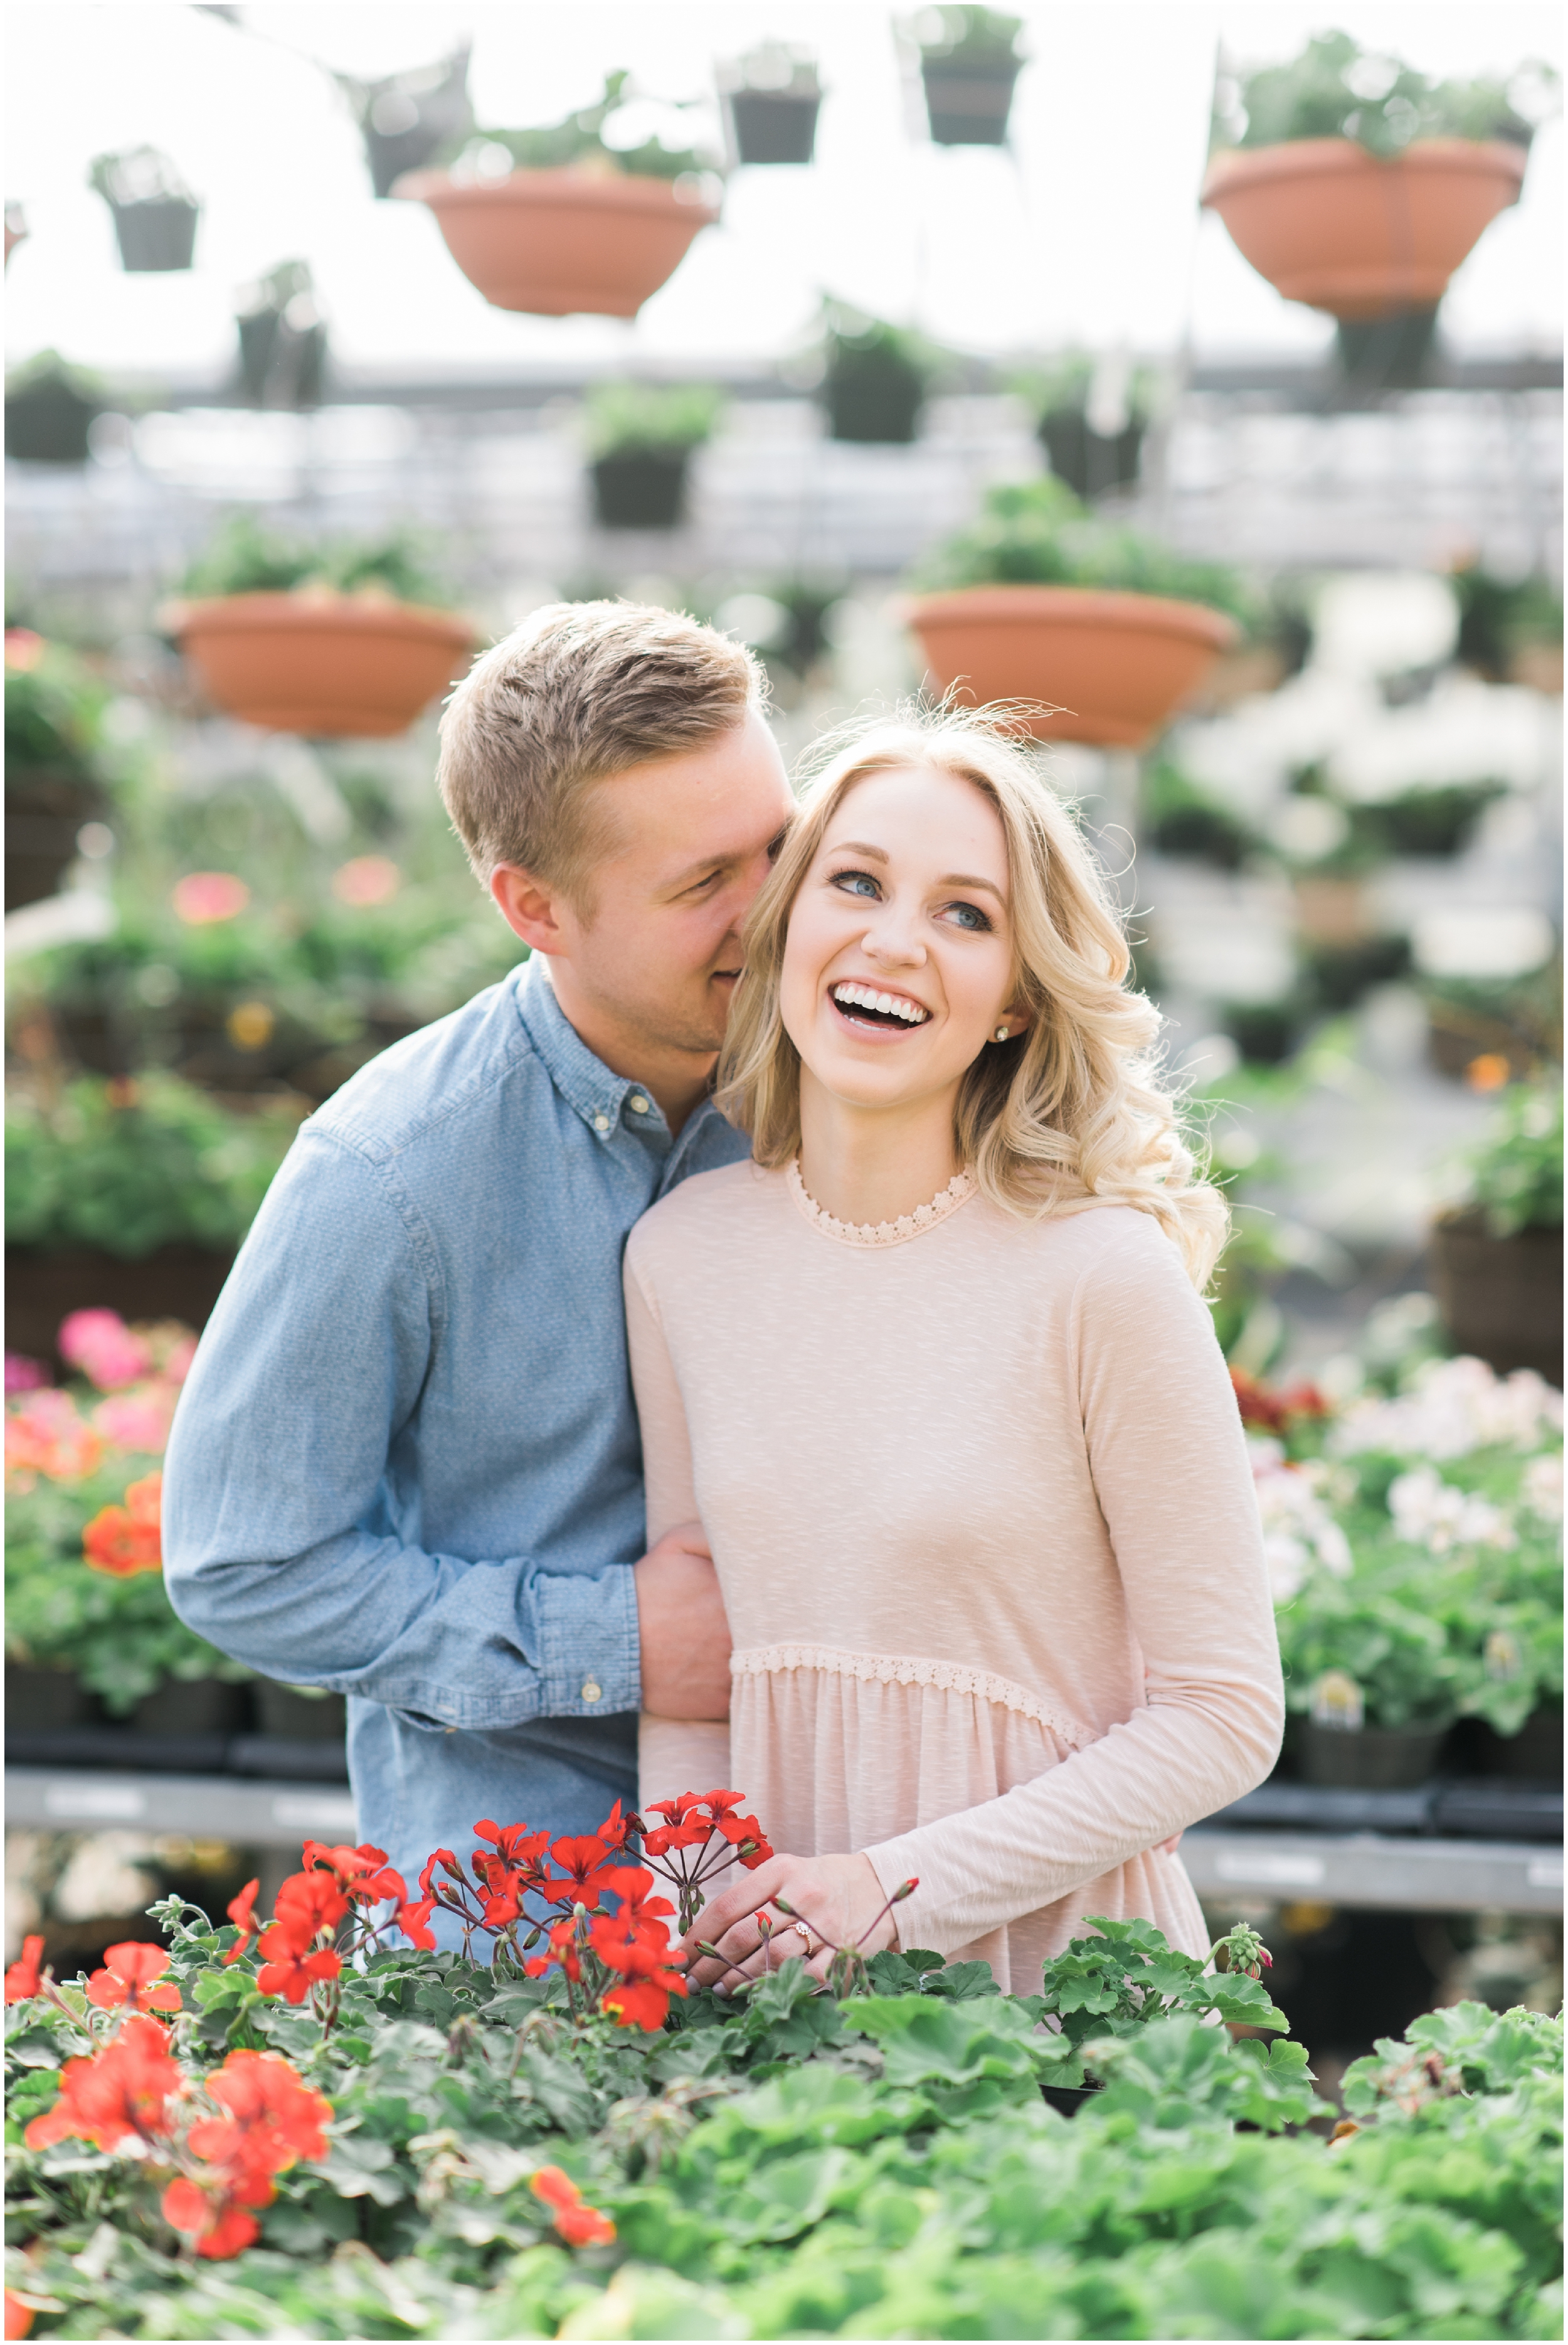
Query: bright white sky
1086	232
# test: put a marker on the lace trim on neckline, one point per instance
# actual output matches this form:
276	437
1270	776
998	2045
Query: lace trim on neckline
958	1191
902	1669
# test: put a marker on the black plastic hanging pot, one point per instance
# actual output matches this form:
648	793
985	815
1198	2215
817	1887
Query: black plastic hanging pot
1090	462
1390	353
873	398
157	235
968	103
773	126
645	488
409	119
48	420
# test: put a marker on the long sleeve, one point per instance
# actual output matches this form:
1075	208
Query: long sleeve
673	1755
1170	1469
292	1478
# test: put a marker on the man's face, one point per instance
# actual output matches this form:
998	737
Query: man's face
656	952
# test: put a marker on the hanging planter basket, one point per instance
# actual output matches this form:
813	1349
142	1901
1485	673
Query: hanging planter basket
1091	462
1360	237
773	126
158	236
332	666
967	104
557	244
48	418
643	488
1500	1298
1116	666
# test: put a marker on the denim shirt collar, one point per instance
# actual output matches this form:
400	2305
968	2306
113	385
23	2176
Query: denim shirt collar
583	1082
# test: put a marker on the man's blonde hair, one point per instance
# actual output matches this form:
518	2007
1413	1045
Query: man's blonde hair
1073	1112
578	693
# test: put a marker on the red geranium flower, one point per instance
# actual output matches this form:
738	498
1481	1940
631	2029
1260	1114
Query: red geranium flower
289	1971
116	2098
314	1899
22	1978
241	1910
124	1539
127	1977
747	1838
413	1921
273	2120
217	2229
579	2225
564	1949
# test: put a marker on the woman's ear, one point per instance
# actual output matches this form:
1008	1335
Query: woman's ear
1014	1020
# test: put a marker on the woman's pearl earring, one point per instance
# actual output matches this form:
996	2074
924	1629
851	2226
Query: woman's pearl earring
1001	1034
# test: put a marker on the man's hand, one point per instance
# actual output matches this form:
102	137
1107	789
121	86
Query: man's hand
683	1630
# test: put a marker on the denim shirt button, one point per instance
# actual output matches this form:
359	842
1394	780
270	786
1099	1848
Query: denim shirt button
601	1124
592	1691
638	1104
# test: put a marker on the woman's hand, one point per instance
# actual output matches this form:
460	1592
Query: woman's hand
839	1899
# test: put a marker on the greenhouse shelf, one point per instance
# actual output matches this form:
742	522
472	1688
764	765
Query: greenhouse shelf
1368	1869
1375	1871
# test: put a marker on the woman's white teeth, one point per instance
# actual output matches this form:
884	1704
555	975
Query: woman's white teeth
891	1005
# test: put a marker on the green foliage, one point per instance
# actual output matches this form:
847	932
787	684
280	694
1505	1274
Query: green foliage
1336	89
128	1166
896	2174
579	139
969	35
1190	823
630	418
1038	534
120	1636
1501	617
1514	1179
1398	1654
245	558
1064	381
54	714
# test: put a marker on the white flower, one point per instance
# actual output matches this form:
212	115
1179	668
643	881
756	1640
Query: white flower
1299	1531
1430	1512
1452	1407
1541	1489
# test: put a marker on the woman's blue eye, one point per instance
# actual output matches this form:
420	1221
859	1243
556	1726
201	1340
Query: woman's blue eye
855	883
969	915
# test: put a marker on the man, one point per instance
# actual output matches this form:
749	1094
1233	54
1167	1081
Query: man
406	1466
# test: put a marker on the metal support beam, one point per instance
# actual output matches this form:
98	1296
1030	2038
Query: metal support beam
203	1807
1375	1871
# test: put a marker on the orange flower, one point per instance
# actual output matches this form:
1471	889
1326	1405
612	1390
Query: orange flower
271	2120
216	2229
18	2316
241	1910
44	1435
579	2225
22	1978
124	1539
367	879
128	1976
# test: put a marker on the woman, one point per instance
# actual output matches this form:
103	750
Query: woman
935	1373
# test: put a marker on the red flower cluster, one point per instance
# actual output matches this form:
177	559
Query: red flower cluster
298	1945
579	2225
21	1980
270	2119
1276	1412
130	1976
117	2099
129	1539
698	1845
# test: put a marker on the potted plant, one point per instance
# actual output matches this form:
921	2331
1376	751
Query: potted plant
564	220
1090	417
1179	819
54	713
1371	1683
50	409
1491	1029
641	437
1510	629
969	64
1039	601
282	338
1425	819
154	212
409	120
1497	1250
771	98
335	638
1357	186
875	377
132	1193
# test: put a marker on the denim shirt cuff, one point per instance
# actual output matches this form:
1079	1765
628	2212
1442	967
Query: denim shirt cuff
589	1649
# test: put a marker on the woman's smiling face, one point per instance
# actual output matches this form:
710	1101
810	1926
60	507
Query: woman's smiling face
898	966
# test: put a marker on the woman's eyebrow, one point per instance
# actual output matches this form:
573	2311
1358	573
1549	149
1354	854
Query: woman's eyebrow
971	879
858	847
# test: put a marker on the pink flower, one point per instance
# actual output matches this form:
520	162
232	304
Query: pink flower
203	898
101	1344
22	1375
23	649
367	879
140	1420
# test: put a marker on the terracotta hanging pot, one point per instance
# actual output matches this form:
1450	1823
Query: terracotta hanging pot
1116	666
1329	224
557	243
334	667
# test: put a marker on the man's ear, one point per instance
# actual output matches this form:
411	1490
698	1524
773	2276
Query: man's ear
531	909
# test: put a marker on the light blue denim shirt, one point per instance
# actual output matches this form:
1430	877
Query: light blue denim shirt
406	1466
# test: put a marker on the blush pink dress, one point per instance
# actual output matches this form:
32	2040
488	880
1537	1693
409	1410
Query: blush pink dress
979	1503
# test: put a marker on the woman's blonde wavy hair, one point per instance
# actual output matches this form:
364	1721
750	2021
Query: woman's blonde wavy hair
1074	1113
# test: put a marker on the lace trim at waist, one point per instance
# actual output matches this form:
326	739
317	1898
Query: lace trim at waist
902	1669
